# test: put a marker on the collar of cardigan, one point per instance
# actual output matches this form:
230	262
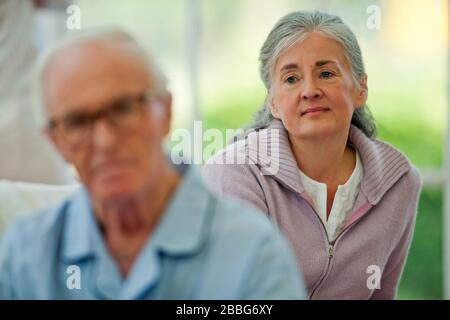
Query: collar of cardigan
383	164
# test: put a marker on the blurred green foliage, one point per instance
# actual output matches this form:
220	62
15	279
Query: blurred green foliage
422	277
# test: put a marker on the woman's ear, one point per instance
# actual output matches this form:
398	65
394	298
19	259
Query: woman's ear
273	109
361	98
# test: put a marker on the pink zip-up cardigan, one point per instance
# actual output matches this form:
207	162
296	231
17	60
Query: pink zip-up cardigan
367	258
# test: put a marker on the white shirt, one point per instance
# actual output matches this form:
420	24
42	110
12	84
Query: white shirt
343	202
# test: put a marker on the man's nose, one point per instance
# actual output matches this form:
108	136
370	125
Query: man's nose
310	90
104	136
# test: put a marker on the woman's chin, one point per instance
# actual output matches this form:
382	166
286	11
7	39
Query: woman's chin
313	131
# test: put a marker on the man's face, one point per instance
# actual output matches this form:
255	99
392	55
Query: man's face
112	162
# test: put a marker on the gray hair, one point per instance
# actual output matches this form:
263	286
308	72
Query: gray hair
106	35
293	28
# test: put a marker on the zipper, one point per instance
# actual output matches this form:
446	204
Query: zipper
331	250
330	253
327	271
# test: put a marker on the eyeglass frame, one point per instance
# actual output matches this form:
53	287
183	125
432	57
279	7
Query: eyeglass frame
143	99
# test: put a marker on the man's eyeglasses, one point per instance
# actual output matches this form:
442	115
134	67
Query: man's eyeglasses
124	114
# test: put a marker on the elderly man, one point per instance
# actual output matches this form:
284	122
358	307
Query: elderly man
140	228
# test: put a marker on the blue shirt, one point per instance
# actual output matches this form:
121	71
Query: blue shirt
203	248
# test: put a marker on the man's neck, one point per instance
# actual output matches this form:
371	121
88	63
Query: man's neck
128	223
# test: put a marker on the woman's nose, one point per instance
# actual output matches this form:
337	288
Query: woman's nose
310	91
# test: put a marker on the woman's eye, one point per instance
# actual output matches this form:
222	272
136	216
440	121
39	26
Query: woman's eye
326	74
291	79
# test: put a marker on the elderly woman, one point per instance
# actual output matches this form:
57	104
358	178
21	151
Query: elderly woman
346	201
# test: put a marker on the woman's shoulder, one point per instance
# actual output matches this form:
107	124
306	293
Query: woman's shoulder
230	164
230	154
232	172
377	154
413	181
389	156
386	168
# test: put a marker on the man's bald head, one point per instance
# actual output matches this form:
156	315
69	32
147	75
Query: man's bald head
107	112
95	50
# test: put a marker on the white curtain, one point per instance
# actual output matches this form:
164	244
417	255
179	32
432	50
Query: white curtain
25	154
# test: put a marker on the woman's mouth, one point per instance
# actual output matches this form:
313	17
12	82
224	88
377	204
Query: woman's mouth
314	111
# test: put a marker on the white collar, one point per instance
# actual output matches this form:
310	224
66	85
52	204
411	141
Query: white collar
344	200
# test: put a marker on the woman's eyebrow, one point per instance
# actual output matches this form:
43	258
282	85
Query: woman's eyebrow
289	66
319	63
324	62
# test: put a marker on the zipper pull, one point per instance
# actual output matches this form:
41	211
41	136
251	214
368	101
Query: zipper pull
331	250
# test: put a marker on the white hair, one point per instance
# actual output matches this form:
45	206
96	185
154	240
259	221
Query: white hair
106	35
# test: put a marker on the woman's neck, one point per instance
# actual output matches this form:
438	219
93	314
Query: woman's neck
328	160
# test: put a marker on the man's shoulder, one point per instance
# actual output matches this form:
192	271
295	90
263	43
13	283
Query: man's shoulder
248	245
230	215
36	229
235	218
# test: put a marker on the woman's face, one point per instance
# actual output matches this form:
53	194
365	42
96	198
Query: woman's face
313	91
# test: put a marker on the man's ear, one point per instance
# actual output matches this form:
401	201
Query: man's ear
361	97
165	106
50	136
